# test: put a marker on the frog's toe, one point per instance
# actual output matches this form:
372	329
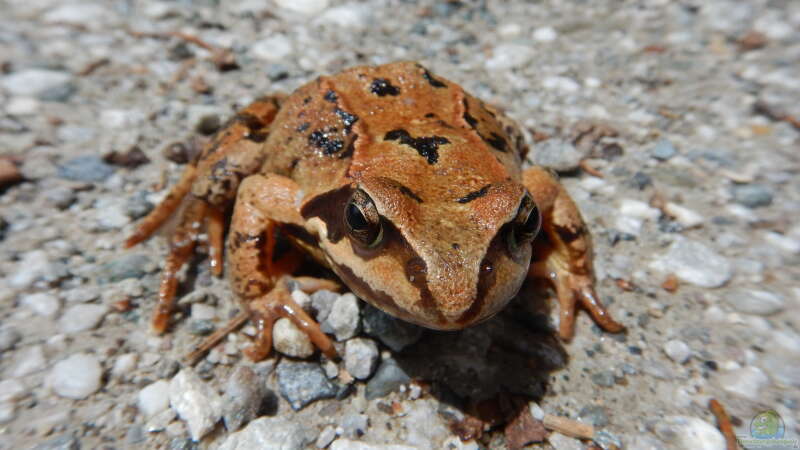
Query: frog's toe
572	290
276	304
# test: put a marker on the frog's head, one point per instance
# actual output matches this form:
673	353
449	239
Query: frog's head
444	256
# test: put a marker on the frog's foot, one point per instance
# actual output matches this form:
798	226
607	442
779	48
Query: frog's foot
573	289
198	216
274	305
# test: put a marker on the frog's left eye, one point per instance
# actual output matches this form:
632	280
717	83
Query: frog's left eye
526	225
362	219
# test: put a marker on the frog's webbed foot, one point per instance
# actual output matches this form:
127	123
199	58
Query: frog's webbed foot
278	303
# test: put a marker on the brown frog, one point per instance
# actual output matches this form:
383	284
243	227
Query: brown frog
407	187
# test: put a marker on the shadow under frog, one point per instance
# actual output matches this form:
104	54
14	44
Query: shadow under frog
488	371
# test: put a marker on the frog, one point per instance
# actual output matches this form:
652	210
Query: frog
409	189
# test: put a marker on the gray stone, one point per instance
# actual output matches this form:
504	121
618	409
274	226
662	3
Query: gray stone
694	263
126	266
244	393
387	379
35	82
35	266
60	197
60	93
752	195
196	403
557	154
360	357
202	327
76	377
82	317
343	320
394	333
322	302
594	414
326	436
663	150
86	168
754	301
349	444
604	378
689	432
290	340
354	425
302	383
9	336
747	382
270	433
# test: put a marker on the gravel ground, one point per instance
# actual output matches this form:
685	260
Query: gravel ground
685	108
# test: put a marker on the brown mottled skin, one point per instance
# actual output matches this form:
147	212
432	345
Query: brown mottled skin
435	173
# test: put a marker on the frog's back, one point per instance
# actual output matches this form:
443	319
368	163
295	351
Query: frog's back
396	121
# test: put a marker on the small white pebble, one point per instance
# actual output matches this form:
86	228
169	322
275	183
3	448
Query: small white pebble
536	411
124	364
154	398
41	303
201	311
685	216
677	351
76	377
81	317
638	209
786	243
290	340
545	34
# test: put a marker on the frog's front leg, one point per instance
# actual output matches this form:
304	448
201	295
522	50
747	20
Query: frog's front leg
562	253
264	203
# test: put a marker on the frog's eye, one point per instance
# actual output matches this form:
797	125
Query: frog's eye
362	219
525	226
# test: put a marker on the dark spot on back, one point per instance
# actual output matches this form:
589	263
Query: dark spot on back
409	193
430	115
322	141
426	146
382	87
347	118
307	100
470	120
331	96
302	127
498	142
476	194
432	81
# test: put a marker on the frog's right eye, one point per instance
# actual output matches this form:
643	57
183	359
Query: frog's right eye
362	219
